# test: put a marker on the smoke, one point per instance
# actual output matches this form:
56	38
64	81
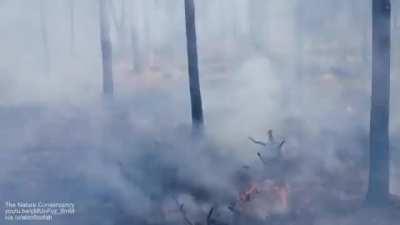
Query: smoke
135	161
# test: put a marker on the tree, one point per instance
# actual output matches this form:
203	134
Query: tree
137	57
106	50
378	191
46	50
119	20
71	5
296	93
299	45
194	83
138	48
361	15
259	24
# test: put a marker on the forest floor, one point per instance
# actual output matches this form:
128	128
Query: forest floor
98	177
389	215
111	162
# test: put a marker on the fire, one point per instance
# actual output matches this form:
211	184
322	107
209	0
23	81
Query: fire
264	199
246	195
283	193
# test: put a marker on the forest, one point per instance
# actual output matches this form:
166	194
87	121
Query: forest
200	112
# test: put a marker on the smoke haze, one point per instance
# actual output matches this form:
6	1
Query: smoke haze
302	70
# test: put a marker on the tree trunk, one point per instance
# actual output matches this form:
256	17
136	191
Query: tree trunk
46	50
259	25
296	92
378	191
147	33
137	57
106	51
299	45
195	94
72	24
119	21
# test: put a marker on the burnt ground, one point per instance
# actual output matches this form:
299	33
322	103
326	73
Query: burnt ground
103	181
360	216
387	215
110	168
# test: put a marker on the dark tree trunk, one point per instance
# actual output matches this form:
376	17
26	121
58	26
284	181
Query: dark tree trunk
378	191
195	94
106	51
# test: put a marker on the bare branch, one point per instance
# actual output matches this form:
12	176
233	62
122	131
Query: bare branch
232	206
183	213
282	143
257	142
261	158
210	213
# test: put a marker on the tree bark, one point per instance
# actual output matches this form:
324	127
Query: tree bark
194	83
106	51
378	191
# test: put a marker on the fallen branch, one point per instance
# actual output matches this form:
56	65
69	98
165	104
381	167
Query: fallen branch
209	220
183	213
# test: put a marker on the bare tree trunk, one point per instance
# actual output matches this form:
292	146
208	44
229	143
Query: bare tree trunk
366	37
147	33
195	94
71	4
137	61
136	49
361	15
378	191
299	45
296	89
258	24
46	50
236	21
119	22
106	51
